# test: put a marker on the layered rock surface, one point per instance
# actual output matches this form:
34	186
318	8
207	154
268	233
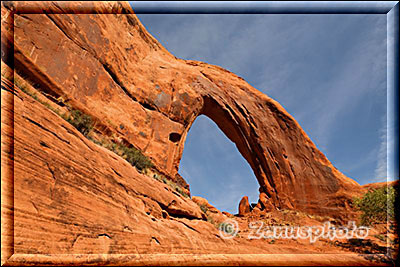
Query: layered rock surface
73	198
110	67
90	200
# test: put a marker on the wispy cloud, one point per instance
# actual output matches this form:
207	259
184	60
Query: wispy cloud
381	166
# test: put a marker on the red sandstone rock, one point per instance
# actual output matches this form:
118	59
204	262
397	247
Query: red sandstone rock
372	186
114	70
71	196
227	214
203	202
264	203
244	206
210	210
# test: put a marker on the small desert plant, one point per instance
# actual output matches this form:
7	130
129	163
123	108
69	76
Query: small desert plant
211	220
377	205
22	85
171	184
81	121
157	177
135	157
203	208
181	191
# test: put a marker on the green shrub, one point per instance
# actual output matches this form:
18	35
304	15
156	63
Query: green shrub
22	85
211	220
203	208
171	184
377	205
135	157
81	121
19	83
181	191
157	177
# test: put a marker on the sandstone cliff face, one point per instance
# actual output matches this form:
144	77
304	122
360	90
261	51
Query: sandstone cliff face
67	200
75	197
110	67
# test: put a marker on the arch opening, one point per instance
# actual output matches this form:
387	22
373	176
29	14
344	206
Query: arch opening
213	166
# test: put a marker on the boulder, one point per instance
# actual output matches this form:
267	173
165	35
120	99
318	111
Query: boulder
244	206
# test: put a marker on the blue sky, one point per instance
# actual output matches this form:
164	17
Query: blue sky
328	71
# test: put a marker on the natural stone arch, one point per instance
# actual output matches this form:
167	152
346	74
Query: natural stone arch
291	171
224	121
228	121
154	105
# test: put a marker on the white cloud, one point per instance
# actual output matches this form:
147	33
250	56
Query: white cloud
381	166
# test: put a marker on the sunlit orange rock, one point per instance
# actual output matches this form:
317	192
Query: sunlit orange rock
113	69
88	199
244	206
